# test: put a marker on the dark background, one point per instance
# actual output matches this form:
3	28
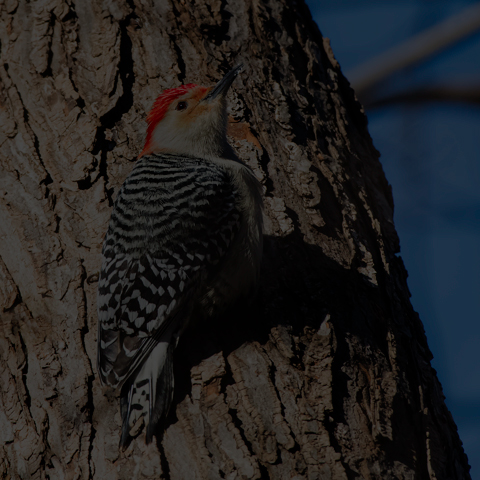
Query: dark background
430	154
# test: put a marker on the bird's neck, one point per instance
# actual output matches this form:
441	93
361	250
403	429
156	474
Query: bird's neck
200	146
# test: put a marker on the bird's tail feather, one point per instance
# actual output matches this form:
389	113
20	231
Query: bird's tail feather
149	395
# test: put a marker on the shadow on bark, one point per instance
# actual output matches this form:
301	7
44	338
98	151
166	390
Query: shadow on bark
362	316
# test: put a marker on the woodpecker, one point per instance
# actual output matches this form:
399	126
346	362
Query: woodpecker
184	242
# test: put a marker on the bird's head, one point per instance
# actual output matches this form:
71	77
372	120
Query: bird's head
190	120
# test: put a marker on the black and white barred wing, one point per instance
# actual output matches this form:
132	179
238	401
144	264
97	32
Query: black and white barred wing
135	304
173	222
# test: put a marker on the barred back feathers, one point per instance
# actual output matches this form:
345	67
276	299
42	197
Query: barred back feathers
185	236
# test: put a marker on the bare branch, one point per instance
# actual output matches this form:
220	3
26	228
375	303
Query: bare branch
417	48
435	93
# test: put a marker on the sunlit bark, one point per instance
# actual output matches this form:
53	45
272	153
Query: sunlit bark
326	375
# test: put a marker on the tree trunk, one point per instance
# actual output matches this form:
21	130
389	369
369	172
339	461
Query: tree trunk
326	376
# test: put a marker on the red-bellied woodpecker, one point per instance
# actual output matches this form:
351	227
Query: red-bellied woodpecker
184	240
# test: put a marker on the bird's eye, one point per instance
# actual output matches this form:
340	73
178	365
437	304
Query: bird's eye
181	106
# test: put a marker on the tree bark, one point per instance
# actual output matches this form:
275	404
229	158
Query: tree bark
326	376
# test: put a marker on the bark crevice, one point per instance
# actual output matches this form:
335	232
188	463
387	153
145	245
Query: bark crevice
325	375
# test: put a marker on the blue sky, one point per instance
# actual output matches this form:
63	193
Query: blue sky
431	157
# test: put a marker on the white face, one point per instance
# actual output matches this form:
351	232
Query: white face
192	126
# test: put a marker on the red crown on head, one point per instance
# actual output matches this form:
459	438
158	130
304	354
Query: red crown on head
160	108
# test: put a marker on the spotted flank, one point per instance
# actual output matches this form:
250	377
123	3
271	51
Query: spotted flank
173	221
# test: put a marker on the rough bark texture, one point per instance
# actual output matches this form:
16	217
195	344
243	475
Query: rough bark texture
327	376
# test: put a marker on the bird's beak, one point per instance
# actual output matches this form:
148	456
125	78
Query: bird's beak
221	88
